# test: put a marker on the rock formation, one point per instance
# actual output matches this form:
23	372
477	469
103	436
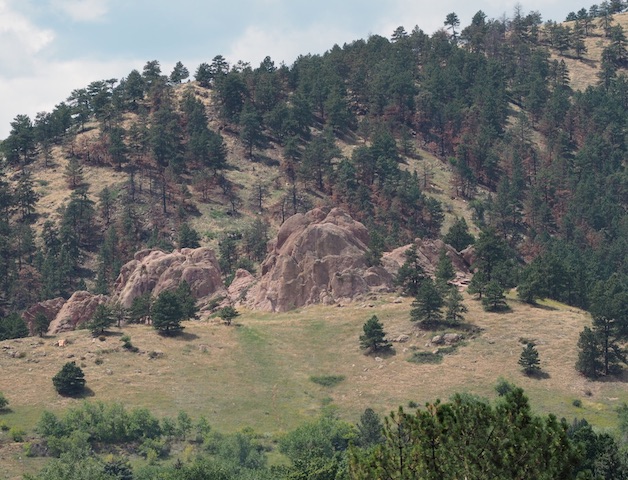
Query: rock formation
155	271
428	251
316	258
49	308
78	309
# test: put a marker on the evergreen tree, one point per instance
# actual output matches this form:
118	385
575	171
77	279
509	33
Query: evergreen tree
101	320
70	380
13	326
589	357
454	308
494	299
529	359
374	338
40	324
227	314
458	235
73	173
167	313
140	308
411	275
370	429
445	272
250	127
188	237
187	300
426	307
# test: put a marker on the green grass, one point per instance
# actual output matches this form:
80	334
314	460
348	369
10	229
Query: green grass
426	357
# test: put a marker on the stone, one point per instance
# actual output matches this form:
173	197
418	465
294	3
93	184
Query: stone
437	339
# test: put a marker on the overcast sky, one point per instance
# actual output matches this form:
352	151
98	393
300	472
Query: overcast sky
50	47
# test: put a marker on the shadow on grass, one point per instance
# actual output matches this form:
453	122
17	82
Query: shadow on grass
185	336
541	307
540	375
381	353
619	377
85	393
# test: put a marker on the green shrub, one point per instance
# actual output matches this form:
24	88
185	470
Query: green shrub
426	357
577	403
503	387
70	380
17	434
327	380
3	401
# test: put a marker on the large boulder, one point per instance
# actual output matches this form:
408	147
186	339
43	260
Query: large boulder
155	271
77	310
317	257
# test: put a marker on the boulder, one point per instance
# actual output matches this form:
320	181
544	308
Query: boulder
317	257
155	271
451	338
76	311
240	285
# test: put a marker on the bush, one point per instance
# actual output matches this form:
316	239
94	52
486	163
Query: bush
327	380
426	357
17	434
577	403
503	387
3	401
70	380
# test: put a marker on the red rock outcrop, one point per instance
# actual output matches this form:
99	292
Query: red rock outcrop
77	310
428	251
155	271
49	308
317	257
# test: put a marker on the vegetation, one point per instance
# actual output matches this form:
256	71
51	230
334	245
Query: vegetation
374	337
529	360
70	380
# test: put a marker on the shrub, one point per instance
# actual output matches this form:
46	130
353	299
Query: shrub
70	380
17	434
577	403
327	380
426	357
503	387
3	401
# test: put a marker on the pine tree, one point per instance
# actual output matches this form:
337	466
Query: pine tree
227	314
167	313
529	359
458	235
374	338
445	272
101	320
40	324
411	274
427	305
494	299
454	308
589	357
70	380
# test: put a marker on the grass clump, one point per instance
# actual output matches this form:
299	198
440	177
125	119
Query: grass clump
327	380
426	357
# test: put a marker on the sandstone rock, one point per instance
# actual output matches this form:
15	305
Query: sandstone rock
77	310
437	339
428	251
316	258
240	286
155	271
49	308
402	338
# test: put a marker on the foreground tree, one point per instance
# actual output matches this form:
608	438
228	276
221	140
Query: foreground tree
469	438
70	380
374	338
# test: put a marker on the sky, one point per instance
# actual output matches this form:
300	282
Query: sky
50	47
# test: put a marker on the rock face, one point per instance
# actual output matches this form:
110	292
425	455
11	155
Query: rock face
428	251
155	271
49	308
317	257
77	310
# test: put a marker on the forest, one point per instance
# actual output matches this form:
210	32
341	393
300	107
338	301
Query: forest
541	166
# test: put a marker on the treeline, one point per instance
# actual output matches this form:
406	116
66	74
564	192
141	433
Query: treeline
464	437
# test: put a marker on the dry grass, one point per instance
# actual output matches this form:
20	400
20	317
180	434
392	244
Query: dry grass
258	372
583	72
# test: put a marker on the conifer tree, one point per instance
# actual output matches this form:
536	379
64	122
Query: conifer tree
426	308
374	337
454	308
529	359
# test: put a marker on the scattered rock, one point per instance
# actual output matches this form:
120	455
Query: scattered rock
109	371
451	338
61	342
437	339
398	300
402	338
379	359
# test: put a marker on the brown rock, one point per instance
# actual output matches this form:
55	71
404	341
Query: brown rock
50	308
77	310
316	258
240	286
155	271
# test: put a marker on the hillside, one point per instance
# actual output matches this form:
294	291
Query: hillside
503	127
